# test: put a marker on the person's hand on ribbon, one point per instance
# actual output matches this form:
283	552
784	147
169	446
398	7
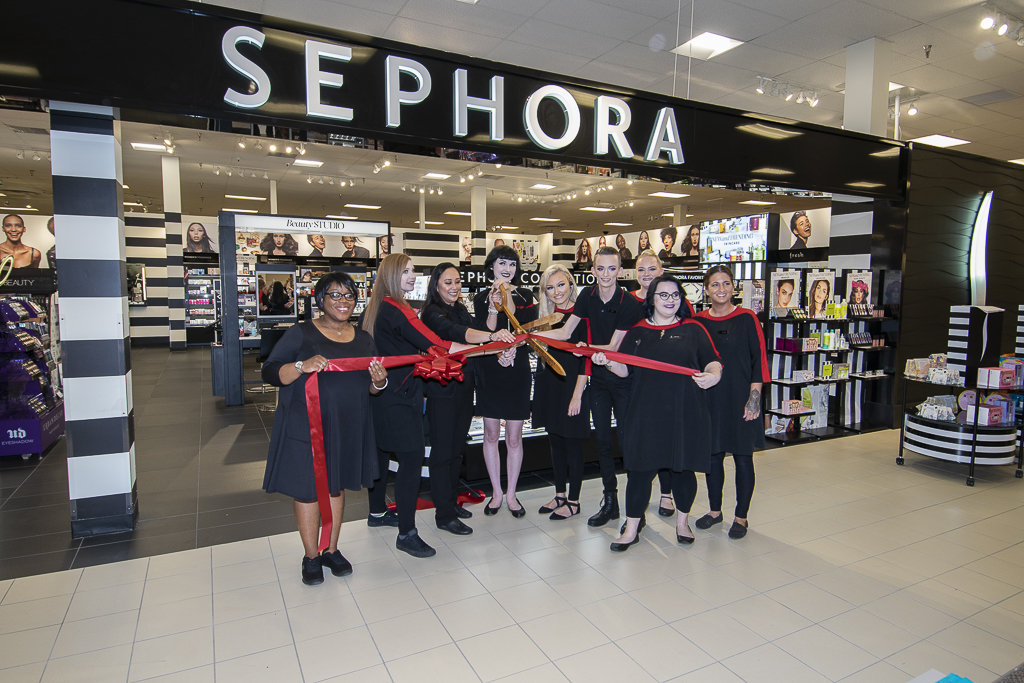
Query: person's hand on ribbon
314	364
378	377
711	375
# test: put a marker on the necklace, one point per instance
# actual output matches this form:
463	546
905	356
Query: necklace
337	332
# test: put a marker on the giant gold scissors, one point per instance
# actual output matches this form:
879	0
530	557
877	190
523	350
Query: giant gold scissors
538	348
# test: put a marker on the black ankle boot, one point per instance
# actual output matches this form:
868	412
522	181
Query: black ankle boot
609	510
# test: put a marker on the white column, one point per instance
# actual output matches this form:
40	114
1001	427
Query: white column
423	211
175	267
273	197
478	223
868	65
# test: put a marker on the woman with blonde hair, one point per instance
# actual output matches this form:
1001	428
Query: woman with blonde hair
398	409
562	404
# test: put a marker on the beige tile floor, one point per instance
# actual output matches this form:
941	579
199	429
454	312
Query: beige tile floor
855	570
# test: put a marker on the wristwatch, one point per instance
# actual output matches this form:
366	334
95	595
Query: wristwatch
298	366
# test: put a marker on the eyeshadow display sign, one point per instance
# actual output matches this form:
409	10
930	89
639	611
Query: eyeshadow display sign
202	60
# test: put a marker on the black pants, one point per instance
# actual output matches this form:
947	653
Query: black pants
665	480
608	392
744	483
638	491
449	420
407	487
567	455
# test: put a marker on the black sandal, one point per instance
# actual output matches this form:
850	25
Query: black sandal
664	511
572	513
547	510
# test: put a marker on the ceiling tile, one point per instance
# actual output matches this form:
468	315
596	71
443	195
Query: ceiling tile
463	17
858	21
596	18
928	125
387	6
820	75
1013	82
735	21
729	77
923	10
967	90
545	34
969	65
1009	107
323	13
788	9
900	62
964	24
800	39
1008	126
761	60
652	8
534	57
912	41
640	57
931	78
617	74
524	7
439	37
976	116
976	134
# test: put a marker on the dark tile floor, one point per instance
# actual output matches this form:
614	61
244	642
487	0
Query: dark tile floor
199	470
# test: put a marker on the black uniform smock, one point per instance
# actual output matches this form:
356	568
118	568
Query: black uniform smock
398	410
504	393
450	323
669	421
602	319
552	393
349	440
740	342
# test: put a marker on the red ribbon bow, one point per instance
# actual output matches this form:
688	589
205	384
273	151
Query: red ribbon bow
438	365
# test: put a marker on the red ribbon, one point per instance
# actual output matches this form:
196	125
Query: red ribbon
436	364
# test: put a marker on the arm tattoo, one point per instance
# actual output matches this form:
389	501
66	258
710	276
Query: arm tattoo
754	402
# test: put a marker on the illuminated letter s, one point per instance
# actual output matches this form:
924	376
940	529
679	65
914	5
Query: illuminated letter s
245	66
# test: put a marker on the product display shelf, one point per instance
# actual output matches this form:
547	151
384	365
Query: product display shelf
202	302
31	407
961	440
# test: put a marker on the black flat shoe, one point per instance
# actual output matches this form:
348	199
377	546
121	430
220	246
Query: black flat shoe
685	540
574	509
312	571
389	518
643	523
462	512
707	521
414	545
737	531
489	511
664	511
336	562
547	510
457	527
622	547
520	513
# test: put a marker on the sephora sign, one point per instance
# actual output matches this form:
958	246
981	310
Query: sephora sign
375	89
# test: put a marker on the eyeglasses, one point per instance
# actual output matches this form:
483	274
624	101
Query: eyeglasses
668	296
334	296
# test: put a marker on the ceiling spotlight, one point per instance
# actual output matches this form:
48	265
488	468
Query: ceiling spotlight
288	149
167	141
320	180
469	175
760	85
440	191
265	176
431	189
241	143
802	98
404	187
813	101
913	110
258	145
610	186
462	178
273	147
253	174
789	93
229	172
1020	38
309	180
330	181
1002	25
21	155
216	171
302	150
988	22
519	199
35	156
775	88
629	182
423	190
586	192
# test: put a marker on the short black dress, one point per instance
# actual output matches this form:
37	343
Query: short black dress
740	342
552	392
398	410
669	420
344	408
504	393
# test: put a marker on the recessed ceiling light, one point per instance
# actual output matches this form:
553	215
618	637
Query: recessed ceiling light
242	196
895	86
596	208
772	171
620	225
757	202
864	185
308	162
344	218
1017	161
508	227
706	45
131	204
361	206
542	186
667	215
241	210
570	231
458	213
545	220
437	176
941	141
148	147
689	215
668	195
433	222
469	2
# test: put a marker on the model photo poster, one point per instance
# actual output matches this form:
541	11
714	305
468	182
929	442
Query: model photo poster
29	239
785	289
820	286
858	287
199	234
804	229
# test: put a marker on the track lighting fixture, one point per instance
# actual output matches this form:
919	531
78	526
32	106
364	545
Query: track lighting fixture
288	149
760	85
21	155
320	181
35	156
216	171
1003	24
265	176
382	163
273	147
302	150
912	111
241	143
229	172
258	145
252	174
309	180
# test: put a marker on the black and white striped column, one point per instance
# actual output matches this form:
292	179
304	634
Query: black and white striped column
85	149
478	224
428	248
849	244
563	250
175	265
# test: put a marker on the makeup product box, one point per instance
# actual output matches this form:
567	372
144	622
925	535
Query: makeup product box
802	376
987	415
996	377
792	407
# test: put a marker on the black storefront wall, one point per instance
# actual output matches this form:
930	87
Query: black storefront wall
177	57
